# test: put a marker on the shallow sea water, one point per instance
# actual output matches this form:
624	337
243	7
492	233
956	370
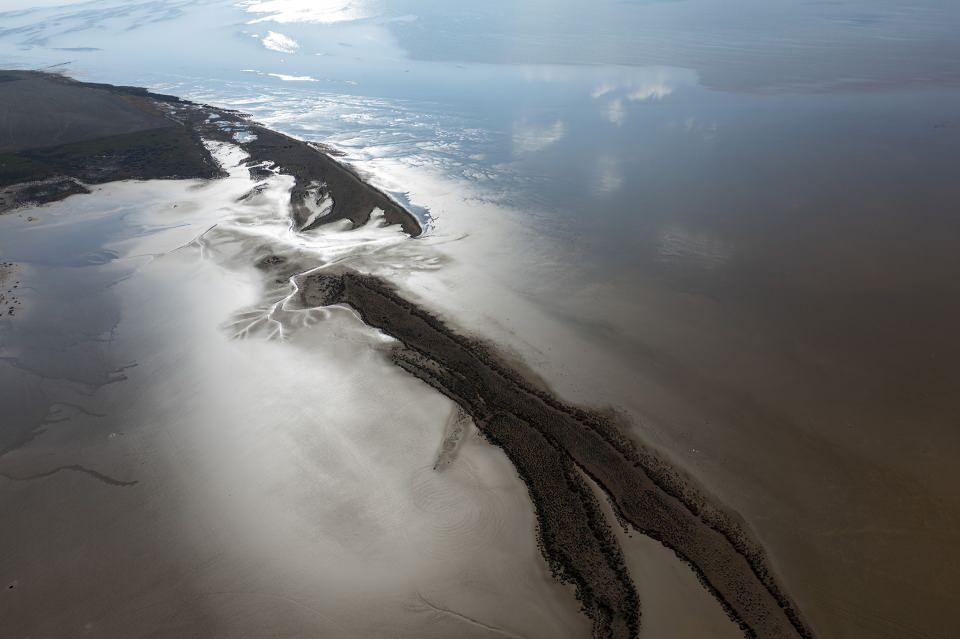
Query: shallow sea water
735	223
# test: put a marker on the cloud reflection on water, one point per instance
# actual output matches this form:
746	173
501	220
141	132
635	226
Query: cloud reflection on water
308	11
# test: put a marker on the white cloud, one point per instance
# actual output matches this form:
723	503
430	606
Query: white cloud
528	137
293	78
314	11
279	42
602	90
654	84
616	113
283	76
651	91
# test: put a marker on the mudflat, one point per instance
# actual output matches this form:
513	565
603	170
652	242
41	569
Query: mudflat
42	110
59	134
63	133
557	449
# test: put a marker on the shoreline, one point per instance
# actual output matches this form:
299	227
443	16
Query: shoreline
535	429
317	173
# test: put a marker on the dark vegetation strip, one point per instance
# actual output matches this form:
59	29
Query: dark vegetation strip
550	442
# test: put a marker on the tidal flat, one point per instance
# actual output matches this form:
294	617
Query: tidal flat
161	477
765	327
183	249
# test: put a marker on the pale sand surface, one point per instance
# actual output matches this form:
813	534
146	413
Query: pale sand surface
281	487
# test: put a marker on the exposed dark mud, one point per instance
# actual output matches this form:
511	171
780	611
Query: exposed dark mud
120	133
41	192
550	443
63	133
9	300
318	177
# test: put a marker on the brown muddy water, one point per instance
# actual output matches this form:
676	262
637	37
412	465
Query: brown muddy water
736	224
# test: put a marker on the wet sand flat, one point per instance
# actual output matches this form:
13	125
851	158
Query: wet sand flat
177	482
